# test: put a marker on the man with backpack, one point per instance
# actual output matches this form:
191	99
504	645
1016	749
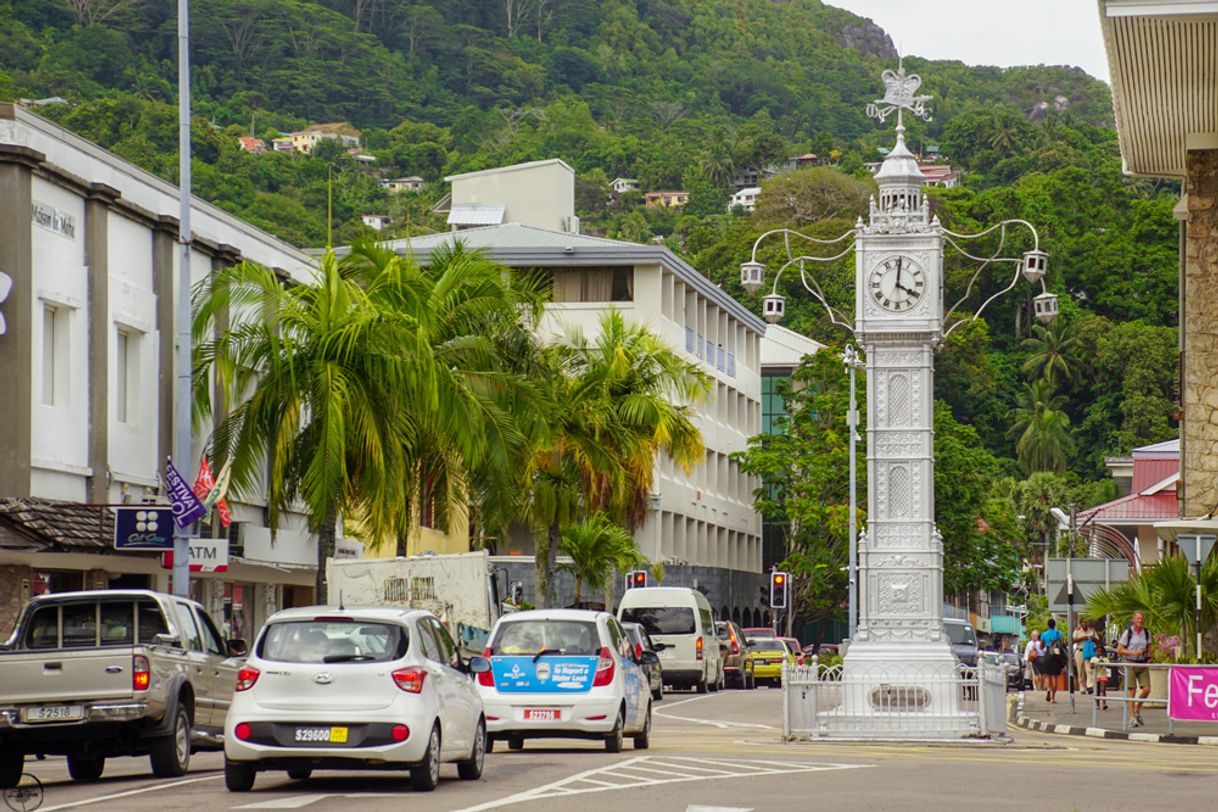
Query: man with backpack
1133	646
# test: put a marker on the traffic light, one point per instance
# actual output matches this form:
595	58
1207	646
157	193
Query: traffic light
778	590
636	579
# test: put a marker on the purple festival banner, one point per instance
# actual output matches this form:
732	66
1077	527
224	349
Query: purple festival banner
1193	693
186	507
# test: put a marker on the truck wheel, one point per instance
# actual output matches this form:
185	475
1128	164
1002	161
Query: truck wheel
12	764
238	777
170	755
83	768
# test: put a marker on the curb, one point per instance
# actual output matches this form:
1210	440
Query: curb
1019	719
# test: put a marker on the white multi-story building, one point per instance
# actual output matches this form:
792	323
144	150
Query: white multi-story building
702	525
90	243
745	198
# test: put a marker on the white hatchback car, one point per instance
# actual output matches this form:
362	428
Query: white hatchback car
366	688
565	673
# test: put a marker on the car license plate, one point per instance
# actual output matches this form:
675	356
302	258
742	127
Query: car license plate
331	735
52	713
542	714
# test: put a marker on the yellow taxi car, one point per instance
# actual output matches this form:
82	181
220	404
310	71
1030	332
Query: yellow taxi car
765	658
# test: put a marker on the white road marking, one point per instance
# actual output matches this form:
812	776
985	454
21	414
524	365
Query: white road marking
290	802
673	769
719	723
130	792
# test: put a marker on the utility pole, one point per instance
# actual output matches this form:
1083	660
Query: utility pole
181	392
1071	677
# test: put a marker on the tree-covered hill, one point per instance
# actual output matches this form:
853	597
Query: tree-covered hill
675	93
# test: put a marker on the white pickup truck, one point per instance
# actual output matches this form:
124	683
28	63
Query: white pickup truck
104	673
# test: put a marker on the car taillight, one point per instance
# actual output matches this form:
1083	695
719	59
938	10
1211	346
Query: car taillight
141	675
410	679
604	669
486	678
638	651
242	731
246	678
698	649
400	733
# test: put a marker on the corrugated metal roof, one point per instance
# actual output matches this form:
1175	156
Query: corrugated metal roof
1163	63
1165	448
476	214
1135	509
781	347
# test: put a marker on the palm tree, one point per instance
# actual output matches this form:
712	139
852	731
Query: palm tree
1166	593
618	401
598	548
1042	427
1053	357
313	389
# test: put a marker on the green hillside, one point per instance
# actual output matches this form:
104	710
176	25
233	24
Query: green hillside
678	94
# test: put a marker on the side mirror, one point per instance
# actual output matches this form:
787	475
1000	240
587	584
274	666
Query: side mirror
167	639
649	658
236	647
478	665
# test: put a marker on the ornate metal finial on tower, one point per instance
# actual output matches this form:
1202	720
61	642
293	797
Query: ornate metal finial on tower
899	95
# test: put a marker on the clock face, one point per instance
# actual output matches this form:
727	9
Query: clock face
897	284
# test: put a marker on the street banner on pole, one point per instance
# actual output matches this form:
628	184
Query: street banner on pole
210	493
186	507
1193	693
143	527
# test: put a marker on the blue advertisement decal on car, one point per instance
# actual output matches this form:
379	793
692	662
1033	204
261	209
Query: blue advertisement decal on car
549	674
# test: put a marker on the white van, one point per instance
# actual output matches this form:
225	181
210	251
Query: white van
680	620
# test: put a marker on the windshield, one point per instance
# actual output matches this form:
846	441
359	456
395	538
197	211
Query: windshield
576	637
773	646
319	641
961	634
662	619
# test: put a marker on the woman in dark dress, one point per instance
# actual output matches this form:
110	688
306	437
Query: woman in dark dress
1053	660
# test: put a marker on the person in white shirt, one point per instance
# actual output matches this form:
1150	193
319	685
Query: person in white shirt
1031	652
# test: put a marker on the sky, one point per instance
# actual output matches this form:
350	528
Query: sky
992	32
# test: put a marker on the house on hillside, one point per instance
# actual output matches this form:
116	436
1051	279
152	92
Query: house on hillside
622	185
807	159
746	198
942	175
283	144
251	144
377	221
305	140
667	200
1148	478
396	186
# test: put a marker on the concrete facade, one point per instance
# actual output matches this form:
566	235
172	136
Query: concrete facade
539	193
1200	335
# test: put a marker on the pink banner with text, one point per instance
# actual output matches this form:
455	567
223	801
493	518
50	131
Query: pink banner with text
1193	694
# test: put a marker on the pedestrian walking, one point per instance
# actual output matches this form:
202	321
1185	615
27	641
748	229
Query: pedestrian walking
1133	646
1077	638
1053	661
1031	653
1099	670
1086	653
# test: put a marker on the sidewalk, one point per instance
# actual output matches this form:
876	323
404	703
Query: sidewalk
1033	713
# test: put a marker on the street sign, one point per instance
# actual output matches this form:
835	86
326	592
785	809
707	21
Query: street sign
1089	575
1196	547
143	527
206	555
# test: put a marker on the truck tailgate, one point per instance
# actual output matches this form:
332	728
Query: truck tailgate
65	675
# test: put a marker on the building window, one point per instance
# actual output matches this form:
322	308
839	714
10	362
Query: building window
54	355
122	375
721	358
700	342
731	364
612	284
689	339
773	406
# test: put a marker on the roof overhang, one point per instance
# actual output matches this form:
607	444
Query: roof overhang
1170	531
1163	64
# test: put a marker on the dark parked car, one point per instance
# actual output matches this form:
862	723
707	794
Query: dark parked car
963	640
732	636
1013	663
643	642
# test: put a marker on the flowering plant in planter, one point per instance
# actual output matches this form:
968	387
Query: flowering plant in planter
1167	648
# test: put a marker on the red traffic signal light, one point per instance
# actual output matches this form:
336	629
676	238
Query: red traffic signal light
636	579
778	590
